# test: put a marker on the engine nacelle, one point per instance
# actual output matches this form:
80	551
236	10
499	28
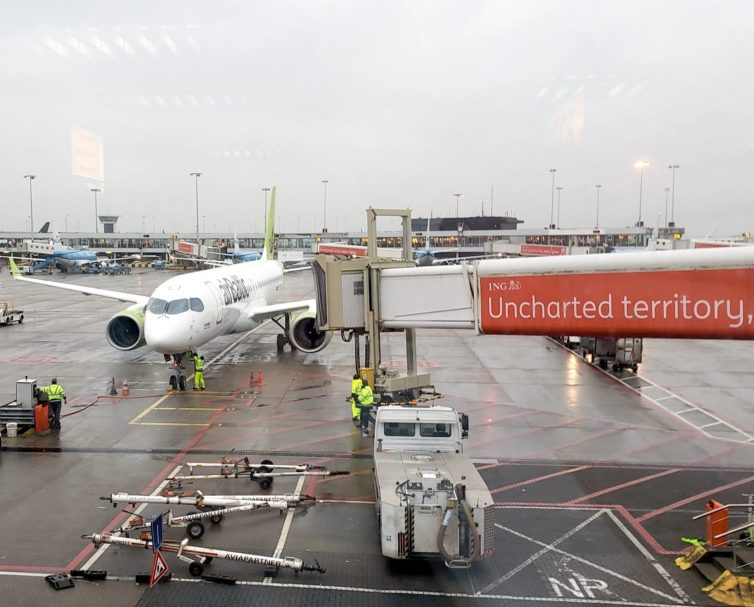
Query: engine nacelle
305	333
125	330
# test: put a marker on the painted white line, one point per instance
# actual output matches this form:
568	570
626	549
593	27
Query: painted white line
101	550
650	557
389	591
286	526
367	502
598	567
235	343
25	573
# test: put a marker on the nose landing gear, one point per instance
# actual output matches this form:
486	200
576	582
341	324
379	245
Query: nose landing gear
177	379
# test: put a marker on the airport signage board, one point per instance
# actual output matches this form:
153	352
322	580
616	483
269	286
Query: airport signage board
189	248
342	249
701	303
542	249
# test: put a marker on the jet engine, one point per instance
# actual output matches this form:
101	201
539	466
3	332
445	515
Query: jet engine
305	333
125	330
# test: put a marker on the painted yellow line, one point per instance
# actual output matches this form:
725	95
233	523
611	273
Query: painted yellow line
149	409
192	408
166	424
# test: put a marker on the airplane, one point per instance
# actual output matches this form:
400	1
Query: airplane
186	312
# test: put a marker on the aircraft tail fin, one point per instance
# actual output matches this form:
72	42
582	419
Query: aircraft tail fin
45	227
269	234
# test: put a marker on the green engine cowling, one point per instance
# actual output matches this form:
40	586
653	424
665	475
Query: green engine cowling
125	330
305	333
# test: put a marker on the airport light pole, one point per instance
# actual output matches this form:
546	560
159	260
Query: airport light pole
196	180
598	187
552	204
667	191
672	167
324	221
640	165
557	223
96	214
143	225
265	190
66	222
31	202
458	197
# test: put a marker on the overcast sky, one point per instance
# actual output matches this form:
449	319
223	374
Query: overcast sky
396	103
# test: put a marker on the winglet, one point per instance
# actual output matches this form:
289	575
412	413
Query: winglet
14	268
269	235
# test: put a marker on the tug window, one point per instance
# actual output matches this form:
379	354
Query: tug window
400	429
436	430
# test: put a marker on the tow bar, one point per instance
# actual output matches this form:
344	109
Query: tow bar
203	556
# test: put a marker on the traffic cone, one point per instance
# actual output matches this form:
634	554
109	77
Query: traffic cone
125	391
260	378
113	389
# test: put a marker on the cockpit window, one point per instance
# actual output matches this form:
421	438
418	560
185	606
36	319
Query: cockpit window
157	306
177	306
196	304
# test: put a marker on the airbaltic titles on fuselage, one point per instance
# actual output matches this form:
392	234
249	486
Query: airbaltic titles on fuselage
234	289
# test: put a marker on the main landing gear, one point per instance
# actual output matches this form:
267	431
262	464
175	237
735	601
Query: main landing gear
284	338
177	379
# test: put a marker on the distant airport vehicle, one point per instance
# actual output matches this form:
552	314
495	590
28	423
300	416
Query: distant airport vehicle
160	264
9	314
186	312
430	499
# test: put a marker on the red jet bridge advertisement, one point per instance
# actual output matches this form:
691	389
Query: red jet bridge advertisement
685	303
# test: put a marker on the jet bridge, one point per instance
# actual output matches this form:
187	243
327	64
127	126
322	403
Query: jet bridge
700	293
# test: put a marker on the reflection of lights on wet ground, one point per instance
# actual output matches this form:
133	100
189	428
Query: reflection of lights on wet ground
573	391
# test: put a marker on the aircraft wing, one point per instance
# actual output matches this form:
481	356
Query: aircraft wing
126	297
260	313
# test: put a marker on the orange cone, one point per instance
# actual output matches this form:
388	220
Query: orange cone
260	378
125	391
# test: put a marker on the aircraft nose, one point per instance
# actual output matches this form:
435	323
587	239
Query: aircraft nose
166	334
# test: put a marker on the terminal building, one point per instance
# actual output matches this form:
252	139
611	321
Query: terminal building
447	237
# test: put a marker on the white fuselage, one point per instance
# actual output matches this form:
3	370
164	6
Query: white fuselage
187	311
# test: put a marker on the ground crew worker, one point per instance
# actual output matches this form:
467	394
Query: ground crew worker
356	385
199	372
56	396
366	400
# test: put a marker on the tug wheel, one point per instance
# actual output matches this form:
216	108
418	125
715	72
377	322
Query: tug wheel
195	530
196	569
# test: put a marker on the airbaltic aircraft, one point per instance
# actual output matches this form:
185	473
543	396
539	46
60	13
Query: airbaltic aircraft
187	311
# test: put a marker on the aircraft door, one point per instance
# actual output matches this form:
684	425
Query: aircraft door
219	301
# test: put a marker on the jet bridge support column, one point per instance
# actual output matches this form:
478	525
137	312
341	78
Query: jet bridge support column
349	299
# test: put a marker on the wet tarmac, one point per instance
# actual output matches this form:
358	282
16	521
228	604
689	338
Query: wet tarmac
596	478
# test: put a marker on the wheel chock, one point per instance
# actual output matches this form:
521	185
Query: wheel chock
270	571
219	579
60	581
89	574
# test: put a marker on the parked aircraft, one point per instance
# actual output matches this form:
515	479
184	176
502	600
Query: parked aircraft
187	311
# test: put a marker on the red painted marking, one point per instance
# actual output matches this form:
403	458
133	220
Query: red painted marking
693	498
636	481
698	303
120	518
35	359
539	478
